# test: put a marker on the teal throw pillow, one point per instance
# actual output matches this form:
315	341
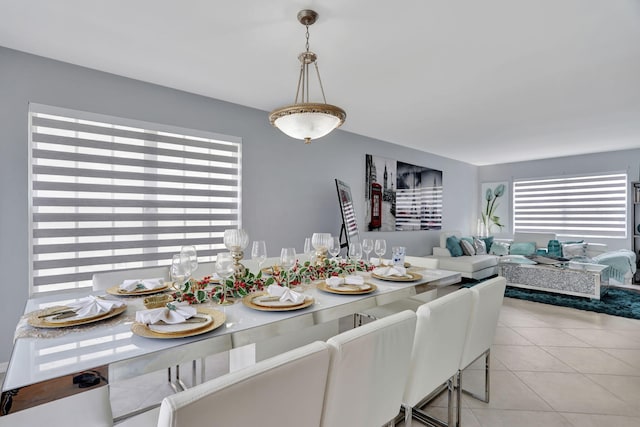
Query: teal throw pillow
453	244
488	241
499	248
522	248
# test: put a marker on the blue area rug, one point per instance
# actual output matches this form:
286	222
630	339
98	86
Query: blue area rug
617	301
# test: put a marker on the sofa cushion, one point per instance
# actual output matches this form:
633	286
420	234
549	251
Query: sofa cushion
453	244
499	248
554	249
467	264
573	250
522	248
541	239
467	247
479	246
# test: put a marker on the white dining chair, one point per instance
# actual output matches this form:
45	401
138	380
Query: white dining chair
440	335
285	390
87	408
368	371
487	300
108	279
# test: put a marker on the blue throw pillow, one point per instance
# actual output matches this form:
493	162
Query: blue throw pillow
522	248
453	244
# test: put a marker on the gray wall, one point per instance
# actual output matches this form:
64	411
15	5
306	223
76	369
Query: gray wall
614	161
288	187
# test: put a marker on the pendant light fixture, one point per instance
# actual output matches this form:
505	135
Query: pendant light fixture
307	120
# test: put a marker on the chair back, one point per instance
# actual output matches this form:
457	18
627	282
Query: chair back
107	279
285	390
437	348
487	301
88	408
369	367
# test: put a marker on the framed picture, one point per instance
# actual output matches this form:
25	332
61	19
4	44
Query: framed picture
349	231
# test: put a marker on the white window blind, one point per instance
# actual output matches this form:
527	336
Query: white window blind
110	193
579	206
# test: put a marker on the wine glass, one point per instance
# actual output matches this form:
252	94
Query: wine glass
190	252
259	252
287	261
180	269
380	249
367	247
355	253
224	268
308	248
334	246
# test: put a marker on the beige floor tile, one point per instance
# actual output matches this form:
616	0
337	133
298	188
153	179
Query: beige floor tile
632	357
625	387
519	319
508	336
605	338
507	392
595	420
591	360
509	418
567	392
528	358
468	419
550	337
495	363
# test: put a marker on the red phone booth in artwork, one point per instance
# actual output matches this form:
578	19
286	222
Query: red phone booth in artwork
376	206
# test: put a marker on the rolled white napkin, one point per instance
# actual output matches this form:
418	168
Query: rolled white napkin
285	294
390	271
336	282
148	284
173	313
378	261
92	306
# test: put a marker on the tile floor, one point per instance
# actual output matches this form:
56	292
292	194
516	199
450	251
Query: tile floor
551	366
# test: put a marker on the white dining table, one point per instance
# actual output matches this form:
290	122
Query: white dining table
43	369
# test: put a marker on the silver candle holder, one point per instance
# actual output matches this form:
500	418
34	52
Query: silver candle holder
236	240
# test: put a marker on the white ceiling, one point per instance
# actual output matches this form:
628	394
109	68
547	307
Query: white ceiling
484	82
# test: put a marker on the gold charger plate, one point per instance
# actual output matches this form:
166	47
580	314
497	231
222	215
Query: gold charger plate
324	287
34	318
414	276
115	290
248	301
218	318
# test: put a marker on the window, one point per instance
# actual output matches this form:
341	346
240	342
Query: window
580	206
109	193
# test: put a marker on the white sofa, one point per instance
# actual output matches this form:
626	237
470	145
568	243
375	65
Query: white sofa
472	267
482	266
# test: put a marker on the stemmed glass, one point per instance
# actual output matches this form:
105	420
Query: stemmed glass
190	252
180	269
380	249
259	252
367	247
308	248
224	268
334	246
355	253
287	261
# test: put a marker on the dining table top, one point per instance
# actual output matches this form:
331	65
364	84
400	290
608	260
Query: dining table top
41	355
